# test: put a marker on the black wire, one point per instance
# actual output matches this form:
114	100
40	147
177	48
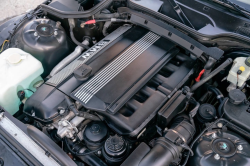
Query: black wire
237	80
29	90
79	154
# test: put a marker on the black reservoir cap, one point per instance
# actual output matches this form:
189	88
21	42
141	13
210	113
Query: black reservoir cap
247	61
206	113
236	96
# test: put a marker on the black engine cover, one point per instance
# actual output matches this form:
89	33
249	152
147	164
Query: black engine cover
119	79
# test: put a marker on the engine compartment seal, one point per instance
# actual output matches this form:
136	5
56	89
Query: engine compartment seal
172	34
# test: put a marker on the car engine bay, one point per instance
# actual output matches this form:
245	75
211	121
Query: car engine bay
126	82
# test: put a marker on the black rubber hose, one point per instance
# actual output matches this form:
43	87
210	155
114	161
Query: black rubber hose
217	92
193	112
210	64
71	26
77	153
166	149
212	74
183	125
220	108
75	41
71	105
83	124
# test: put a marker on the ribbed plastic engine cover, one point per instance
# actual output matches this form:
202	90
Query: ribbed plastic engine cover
110	87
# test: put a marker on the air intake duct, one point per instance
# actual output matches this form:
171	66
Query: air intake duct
166	149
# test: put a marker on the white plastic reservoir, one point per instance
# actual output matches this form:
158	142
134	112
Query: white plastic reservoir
241	78
18	71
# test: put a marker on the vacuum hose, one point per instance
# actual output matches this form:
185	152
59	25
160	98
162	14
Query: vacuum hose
217	92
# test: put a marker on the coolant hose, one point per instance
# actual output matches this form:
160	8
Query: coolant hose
78	50
212	74
75	41
71	26
217	92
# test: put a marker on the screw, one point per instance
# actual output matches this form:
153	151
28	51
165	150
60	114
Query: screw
82	25
99	152
35	34
214	135
217	157
220	125
165	130
55	33
58	23
43	22
240	147
62	111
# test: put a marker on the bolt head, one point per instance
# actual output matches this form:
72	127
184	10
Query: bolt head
58	23
62	111
240	147
220	125
35	34
82	25
217	157
43	22
214	135
55	33
99	152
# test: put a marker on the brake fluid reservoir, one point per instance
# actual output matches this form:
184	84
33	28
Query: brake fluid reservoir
240	71
18	71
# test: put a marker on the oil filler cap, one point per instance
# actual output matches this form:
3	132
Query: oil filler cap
236	96
83	72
